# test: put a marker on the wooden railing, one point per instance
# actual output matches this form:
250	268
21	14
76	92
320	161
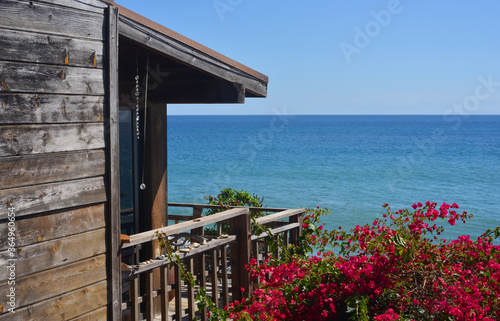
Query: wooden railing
220	259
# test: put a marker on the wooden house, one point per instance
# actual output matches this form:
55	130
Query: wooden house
69	74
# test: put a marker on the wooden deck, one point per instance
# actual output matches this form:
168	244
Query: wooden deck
217	264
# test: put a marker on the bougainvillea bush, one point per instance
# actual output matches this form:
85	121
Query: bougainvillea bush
396	268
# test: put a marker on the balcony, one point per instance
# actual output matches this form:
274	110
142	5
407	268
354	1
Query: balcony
217	262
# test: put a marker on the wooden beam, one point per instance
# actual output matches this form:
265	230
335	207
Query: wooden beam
278	216
184	226
240	257
208	92
190	57
113	266
252	209
171	82
276	231
211	245
198	92
155	178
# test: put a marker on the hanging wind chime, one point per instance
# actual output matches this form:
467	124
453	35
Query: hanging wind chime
137	117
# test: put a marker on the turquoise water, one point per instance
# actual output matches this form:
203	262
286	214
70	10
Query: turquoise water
349	164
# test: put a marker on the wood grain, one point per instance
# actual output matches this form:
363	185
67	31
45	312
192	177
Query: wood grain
53	226
45	109
51	283
88	5
59	252
113	169
50	18
24	77
184	226
54	167
47	49
63	307
35	139
97	315
50	197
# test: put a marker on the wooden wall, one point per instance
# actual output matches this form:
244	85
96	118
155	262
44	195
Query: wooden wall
53	151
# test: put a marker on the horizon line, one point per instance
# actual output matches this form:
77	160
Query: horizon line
334	115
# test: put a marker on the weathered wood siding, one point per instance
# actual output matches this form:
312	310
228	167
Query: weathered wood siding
53	159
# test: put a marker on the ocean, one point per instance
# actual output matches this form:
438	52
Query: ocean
351	165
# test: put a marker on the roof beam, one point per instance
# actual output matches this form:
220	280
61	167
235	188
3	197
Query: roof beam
187	55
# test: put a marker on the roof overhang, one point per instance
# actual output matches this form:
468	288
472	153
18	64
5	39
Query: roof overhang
192	73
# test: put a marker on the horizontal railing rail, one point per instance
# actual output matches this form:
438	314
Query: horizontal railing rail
221	259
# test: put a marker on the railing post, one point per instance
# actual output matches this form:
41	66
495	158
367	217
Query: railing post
295	233
198	260
178	297
240	256
213	276
134	299
164	292
225	294
149	296
190	290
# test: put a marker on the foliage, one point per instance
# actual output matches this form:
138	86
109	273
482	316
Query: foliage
228	198
396	268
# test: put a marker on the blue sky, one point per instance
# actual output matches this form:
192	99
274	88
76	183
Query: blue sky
349	57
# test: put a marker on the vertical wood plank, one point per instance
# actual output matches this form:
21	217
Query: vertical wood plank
149	296
240	256
178	298
134	299
255	250
295	233
276	253
203	283
190	291
114	257
164	293
198	262
155	175
286	239
225	288
213	276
